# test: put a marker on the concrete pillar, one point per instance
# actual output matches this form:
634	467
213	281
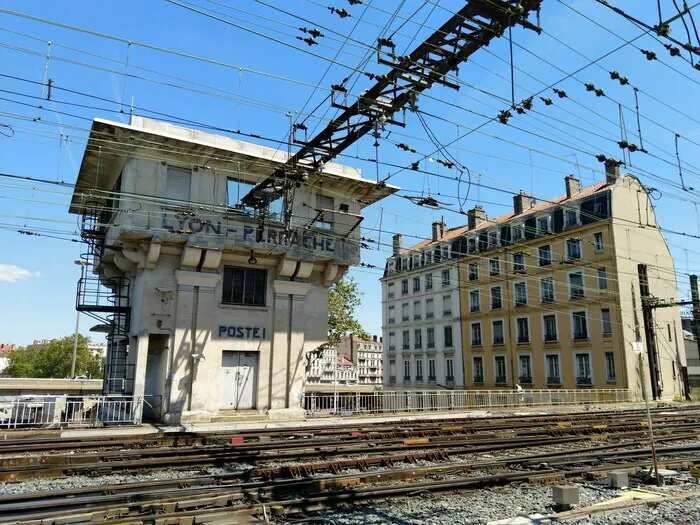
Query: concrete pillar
287	360
139	362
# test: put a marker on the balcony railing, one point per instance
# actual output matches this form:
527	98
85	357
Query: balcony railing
406	346
429	315
550	338
432	379
526	380
585	381
404	318
450	379
478	379
501	380
554	380
446	313
498	341
431	345
580	336
416	316
419	378
391	295
391	320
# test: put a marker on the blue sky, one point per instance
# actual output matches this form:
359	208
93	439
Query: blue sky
37	274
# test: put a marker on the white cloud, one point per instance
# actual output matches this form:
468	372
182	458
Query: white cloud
11	273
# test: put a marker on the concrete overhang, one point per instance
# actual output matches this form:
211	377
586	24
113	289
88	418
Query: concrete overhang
110	144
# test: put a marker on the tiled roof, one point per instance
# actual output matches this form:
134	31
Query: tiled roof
458	231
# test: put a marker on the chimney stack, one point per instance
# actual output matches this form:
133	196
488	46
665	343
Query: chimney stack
612	171
521	202
475	217
438	230
397	242
573	186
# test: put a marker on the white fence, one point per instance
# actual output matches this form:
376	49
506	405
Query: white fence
402	401
61	411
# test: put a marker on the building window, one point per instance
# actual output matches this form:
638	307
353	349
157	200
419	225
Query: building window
517	232
473	271
449	370
416	262
447	306
580	325
576	289
419	370
446	277
416	284
605	321
478	369
390	294
583	369
545	255
602	279
178	183
417	338
522	329
406	339
668	329
404	287
325	218
543	225
573	249
392	315
431	337
525	369
495	266
429	309
610	367
429	281
553	373
496	298
471	245
493	239
475	301
497	332
520	293
244	286
236	189
445	251
598	241
416	310
404	312
519	262
476	334
571	218
448	337
406	370
432	376
392	341
547	289
500	370
549	323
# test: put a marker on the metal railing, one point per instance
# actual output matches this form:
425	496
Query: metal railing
61	411
403	401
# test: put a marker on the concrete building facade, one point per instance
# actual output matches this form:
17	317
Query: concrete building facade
549	294
367	356
420	314
328	367
214	306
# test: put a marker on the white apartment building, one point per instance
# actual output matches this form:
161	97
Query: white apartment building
420	312
327	367
366	355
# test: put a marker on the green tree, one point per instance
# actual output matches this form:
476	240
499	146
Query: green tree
343	299
54	359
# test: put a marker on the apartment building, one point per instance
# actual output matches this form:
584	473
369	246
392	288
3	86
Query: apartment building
550	293
210	304
366	355
328	367
420	313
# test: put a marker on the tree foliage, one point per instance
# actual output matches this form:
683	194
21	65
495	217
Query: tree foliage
54	359
343	299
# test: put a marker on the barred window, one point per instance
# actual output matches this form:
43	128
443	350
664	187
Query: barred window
244	286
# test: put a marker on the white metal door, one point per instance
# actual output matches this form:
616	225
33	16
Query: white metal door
238	371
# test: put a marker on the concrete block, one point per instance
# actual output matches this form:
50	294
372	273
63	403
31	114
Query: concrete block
618	479
565	495
286	414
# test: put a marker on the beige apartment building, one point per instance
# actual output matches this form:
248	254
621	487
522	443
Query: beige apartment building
550	296
367	357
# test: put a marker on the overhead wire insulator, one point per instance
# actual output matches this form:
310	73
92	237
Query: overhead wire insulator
560	92
386	42
616	76
313	32
601	157
623	144
649	54
309	41
355	2
663	30
599	92
519	110
342	13
673	50
503	116
632	148
415	166
589	87
527	103
339	87
547	101
697	66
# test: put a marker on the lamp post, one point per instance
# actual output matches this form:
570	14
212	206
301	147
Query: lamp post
83	263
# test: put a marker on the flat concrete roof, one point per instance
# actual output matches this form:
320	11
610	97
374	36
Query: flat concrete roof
111	143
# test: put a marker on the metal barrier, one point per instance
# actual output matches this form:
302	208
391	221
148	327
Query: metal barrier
402	401
60	411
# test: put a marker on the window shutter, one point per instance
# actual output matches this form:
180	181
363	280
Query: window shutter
178	184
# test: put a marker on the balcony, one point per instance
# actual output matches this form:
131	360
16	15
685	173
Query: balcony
501	380
498	341
447	313
432	379
418	346
448	343
496	305
474	309
554	380
392	348
523	340
406	346
525	380
419	378
392	379
392	320
584	381
429	315
580	336
416	317
476	342
431	345
406	379
405	318
478	379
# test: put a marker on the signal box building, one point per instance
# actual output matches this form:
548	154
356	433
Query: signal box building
209	305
